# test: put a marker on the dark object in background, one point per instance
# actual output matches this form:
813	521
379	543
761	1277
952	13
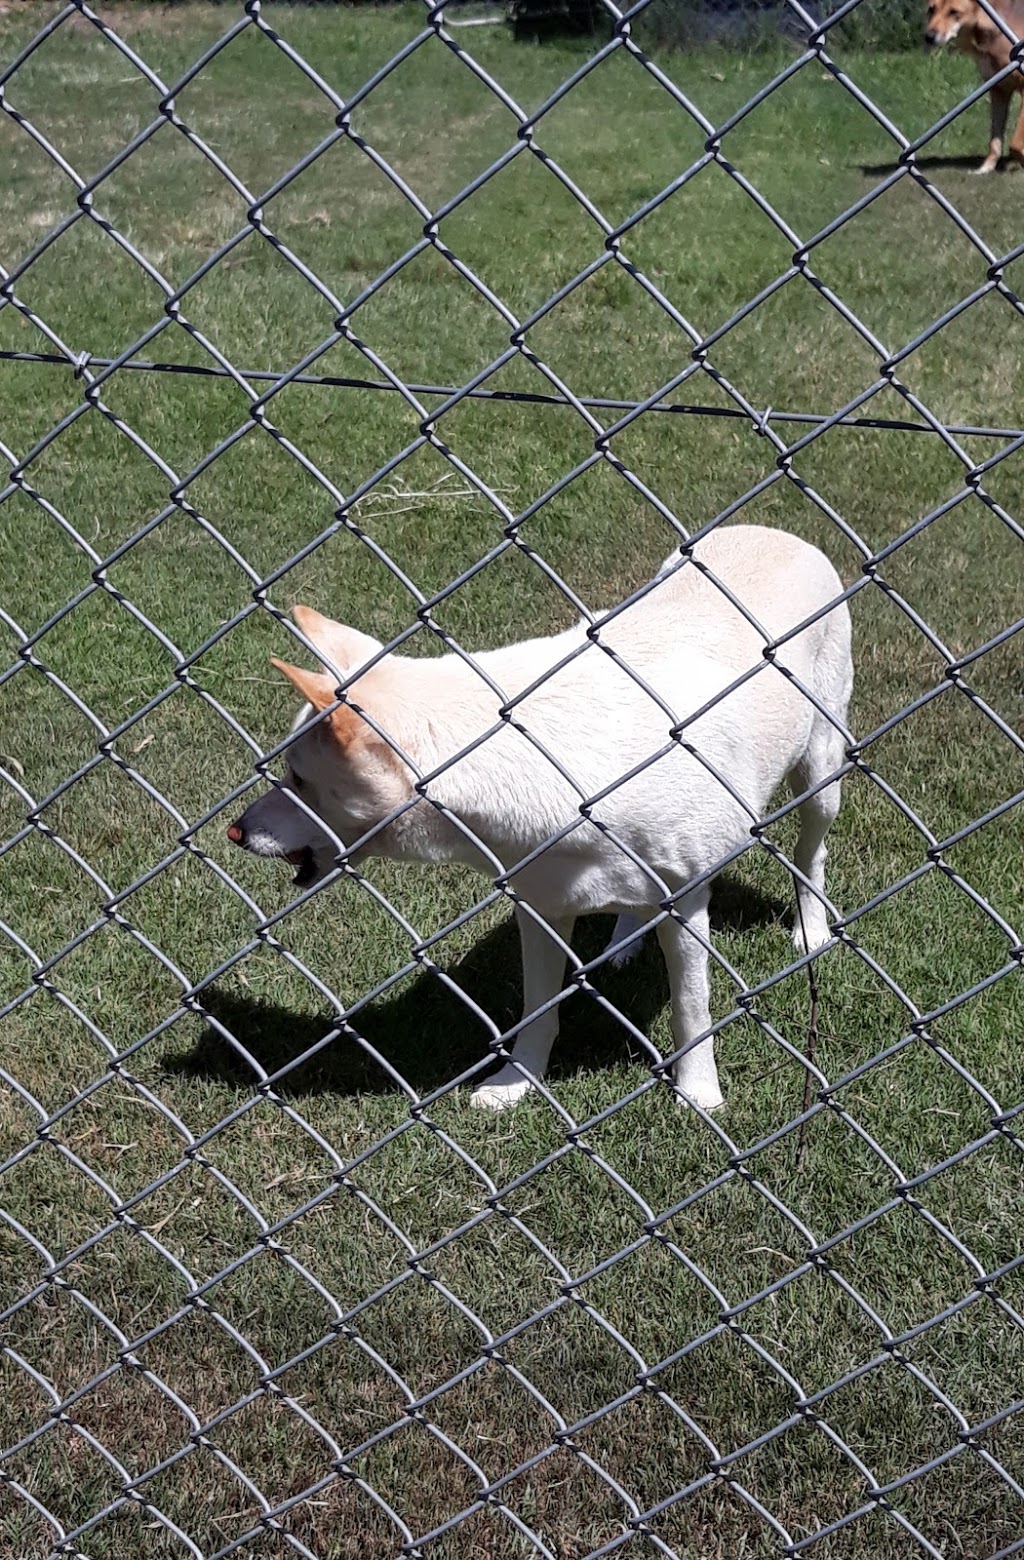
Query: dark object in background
679	23
540	18
733	24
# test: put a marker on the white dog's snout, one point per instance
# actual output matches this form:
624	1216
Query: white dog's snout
274	827
260	843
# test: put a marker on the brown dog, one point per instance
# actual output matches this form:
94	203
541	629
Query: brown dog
968	24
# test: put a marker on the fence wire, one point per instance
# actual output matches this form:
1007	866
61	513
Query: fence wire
605	418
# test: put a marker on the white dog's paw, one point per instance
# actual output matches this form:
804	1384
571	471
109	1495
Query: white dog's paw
504	1090
810	935
705	1098
979	173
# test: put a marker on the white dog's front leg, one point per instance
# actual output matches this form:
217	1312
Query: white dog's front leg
543	973
696	1076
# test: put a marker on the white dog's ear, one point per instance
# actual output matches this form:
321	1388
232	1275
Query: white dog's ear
343	649
313	687
347	728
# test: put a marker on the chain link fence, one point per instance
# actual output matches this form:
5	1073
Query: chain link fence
474	1483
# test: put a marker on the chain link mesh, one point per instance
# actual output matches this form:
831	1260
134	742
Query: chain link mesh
271	1525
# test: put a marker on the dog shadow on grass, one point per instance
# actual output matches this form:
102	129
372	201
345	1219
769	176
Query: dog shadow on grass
931	164
429	1035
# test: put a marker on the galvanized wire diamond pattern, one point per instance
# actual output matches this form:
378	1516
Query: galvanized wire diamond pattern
224	1296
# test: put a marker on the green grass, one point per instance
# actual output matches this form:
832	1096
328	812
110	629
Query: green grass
811	151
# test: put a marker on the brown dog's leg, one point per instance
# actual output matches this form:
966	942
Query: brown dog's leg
1000	97
1017	139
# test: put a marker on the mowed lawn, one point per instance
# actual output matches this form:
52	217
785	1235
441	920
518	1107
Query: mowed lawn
242	1324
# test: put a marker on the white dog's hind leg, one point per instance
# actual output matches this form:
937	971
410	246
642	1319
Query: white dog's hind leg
624	926
810	927
824	754
543	973
696	1077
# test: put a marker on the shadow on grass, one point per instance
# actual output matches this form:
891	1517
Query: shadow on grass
429	1035
933	164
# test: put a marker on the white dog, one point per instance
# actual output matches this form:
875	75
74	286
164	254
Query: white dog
553	769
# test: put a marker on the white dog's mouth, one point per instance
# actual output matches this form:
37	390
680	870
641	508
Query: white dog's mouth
308	872
311	865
